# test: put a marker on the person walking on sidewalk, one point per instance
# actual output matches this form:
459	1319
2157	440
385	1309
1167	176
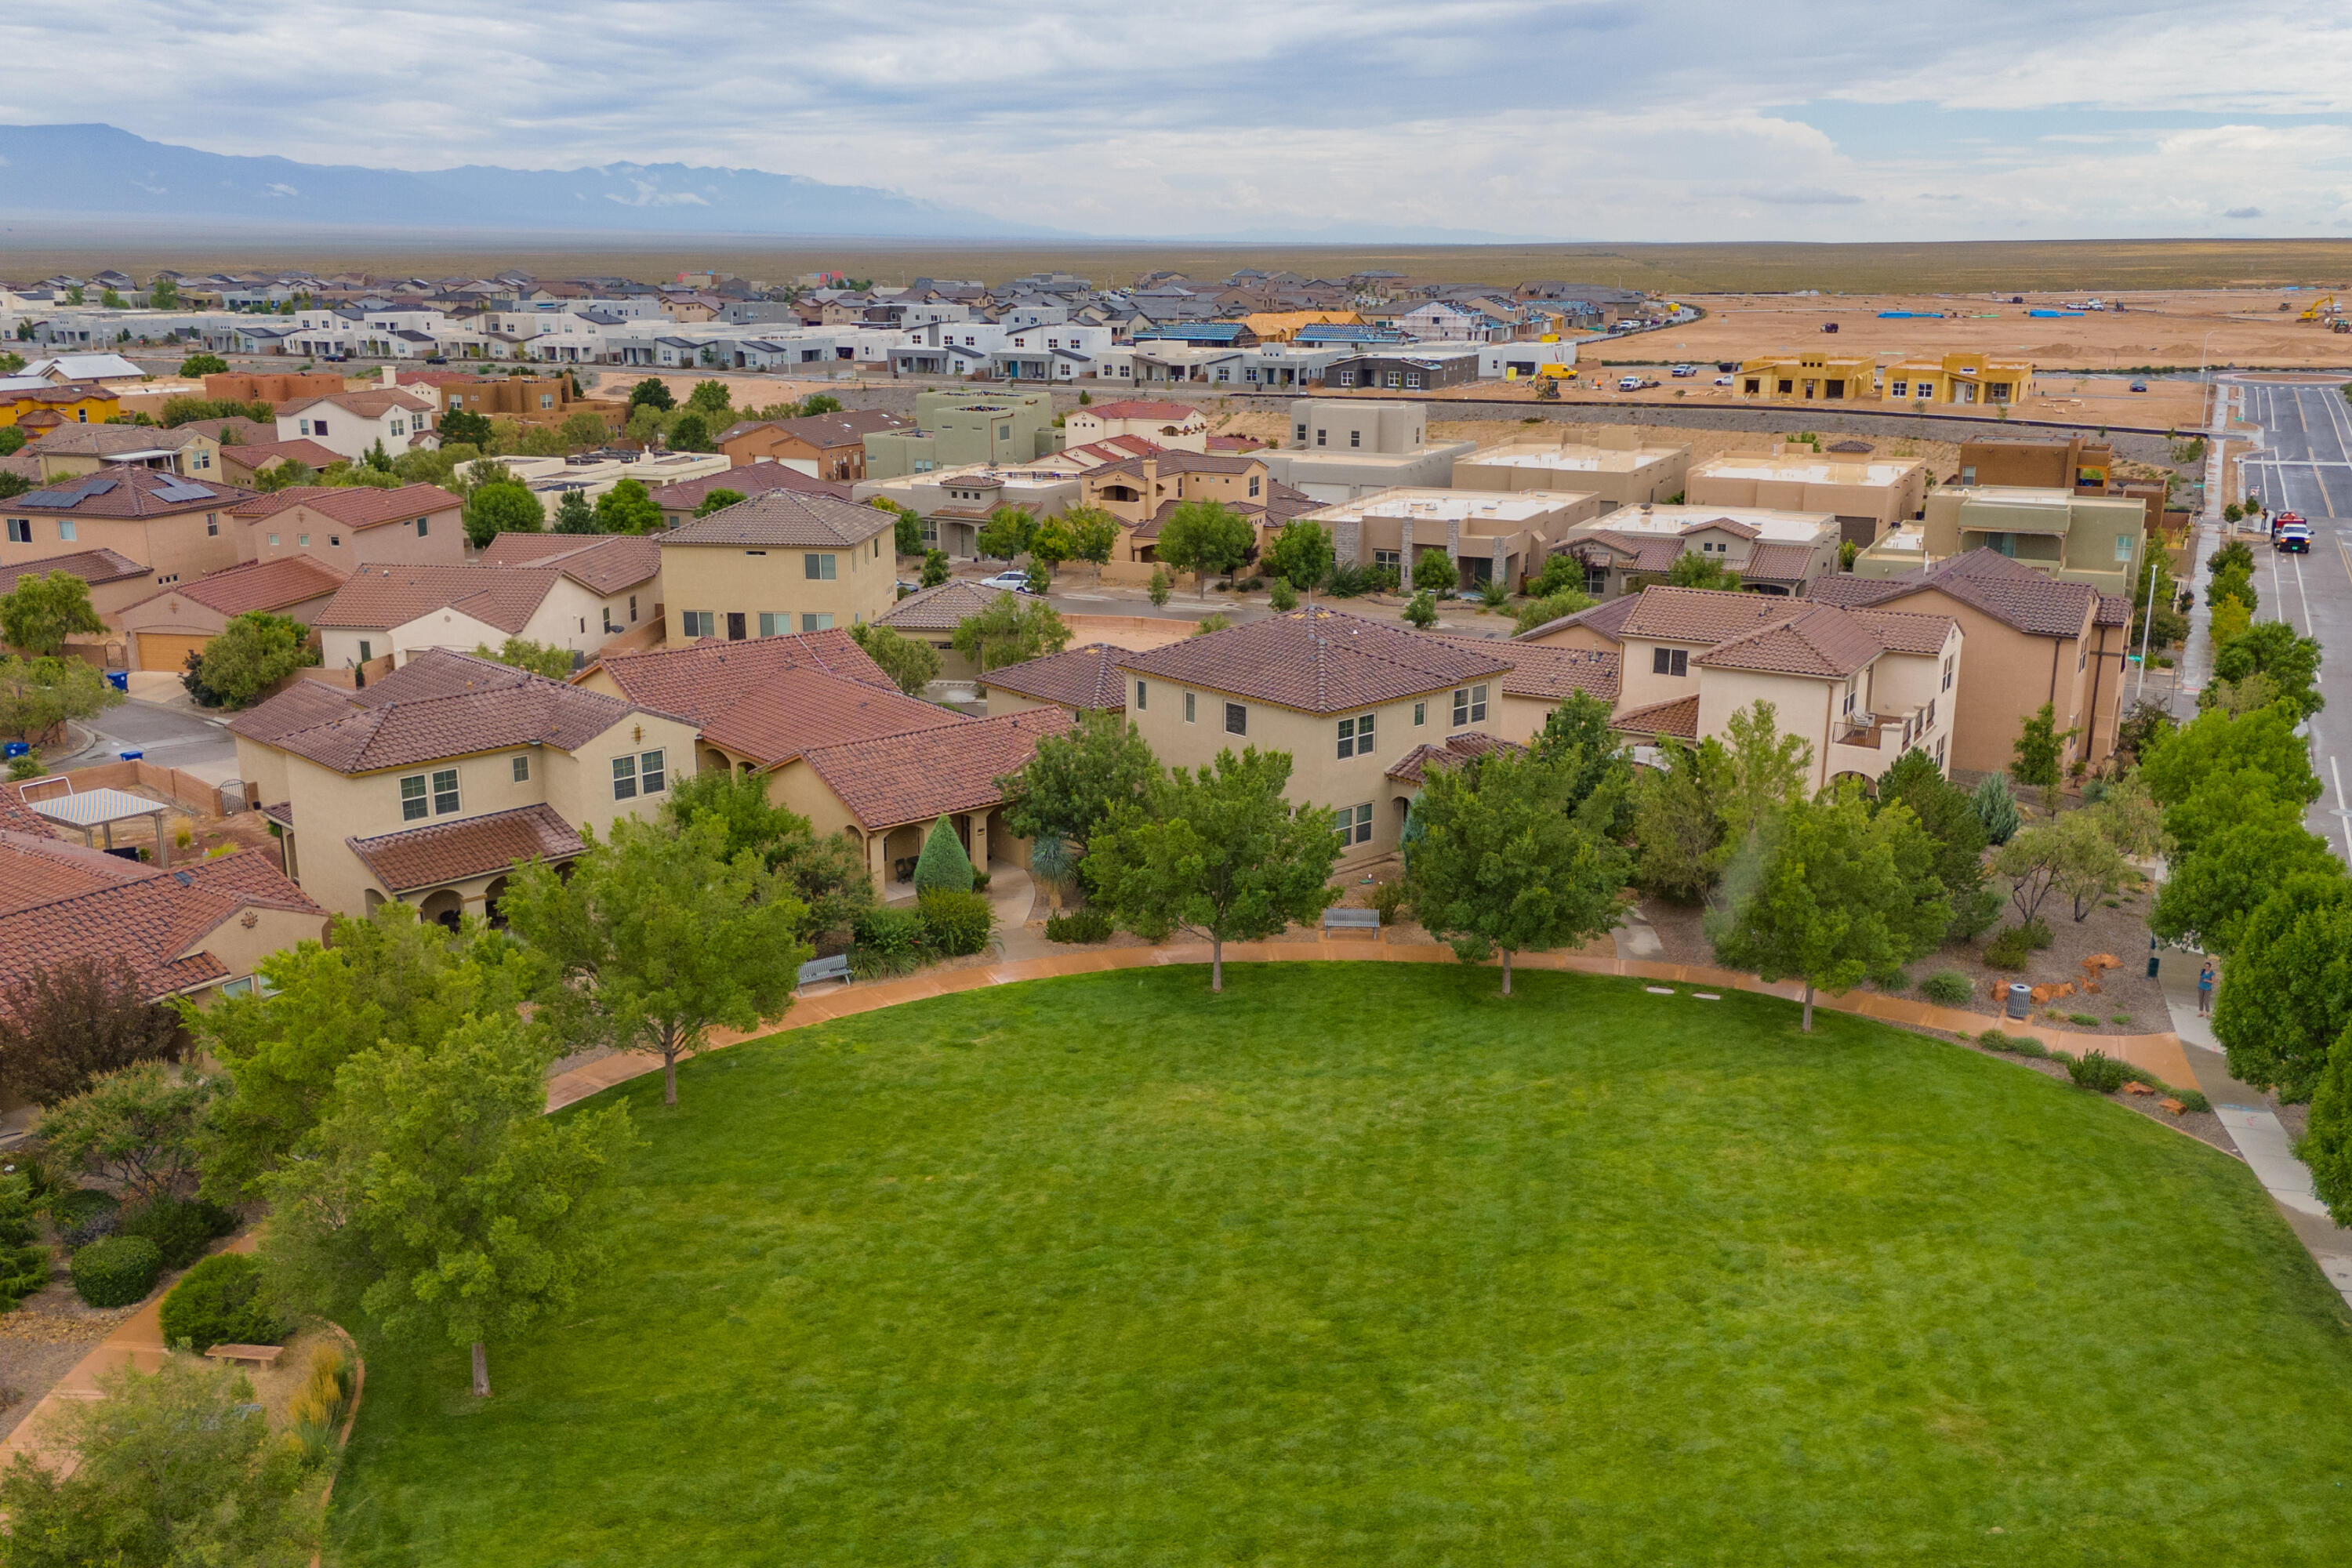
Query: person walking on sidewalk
2205	990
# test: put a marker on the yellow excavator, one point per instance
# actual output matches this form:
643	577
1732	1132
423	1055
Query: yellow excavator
2319	309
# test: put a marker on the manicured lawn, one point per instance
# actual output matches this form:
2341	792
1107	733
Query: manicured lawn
1361	1264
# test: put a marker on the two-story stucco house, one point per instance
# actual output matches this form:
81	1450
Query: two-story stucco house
349	423
579	596
349	526
780	562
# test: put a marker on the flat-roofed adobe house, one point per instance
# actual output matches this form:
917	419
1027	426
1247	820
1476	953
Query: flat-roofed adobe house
165	628
427	785
1773	551
196	931
177	528
349	526
780	562
2029	641
1346	697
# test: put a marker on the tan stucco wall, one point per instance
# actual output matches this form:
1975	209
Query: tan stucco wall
393	543
724	579
1887	503
2009	676
240	949
165	546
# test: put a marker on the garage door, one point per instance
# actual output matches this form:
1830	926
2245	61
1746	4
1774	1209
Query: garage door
168	650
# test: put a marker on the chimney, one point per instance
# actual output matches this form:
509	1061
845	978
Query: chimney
391	376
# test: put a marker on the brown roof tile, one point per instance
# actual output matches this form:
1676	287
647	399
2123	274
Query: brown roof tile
749	480
785	519
1541	670
383	595
366	405
1986	580
1317	661
924	774
940	609
602	563
1452	753
453	705
92	566
105	440
128	493
1906	631
353	506
1085	678
787	711
1821	640
702	679
1607	619
254	585
452	851
254	455
1701	614
1678	719
1779	563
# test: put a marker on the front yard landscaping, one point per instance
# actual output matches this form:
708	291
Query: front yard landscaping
1366	1264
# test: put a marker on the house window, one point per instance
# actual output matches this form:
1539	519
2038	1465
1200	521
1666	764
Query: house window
633	609
1355	437
20	530
2122	546
1391	559
1140	703
413	806
1236	719
1319	435
1469	705
317	427
420	526
212	525
335	541
444	791
1947	674
817	568
1847	707
700	622
1356	824
1188	707
652	777
273	541
366	650
817	623
1968	470
1302	435
1674	661
522	768
1421	712
1356	736
775	623
306	427
609	626
303	540
625	778
65	529
1254	491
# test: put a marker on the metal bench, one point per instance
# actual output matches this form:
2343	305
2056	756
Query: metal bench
816	969
259	1355
1340	918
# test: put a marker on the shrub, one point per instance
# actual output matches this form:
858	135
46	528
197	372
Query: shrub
1948	988
2037	933
117	1271
956	923
82	1215
2087	1020
1079	925
1996	808
943	864
219	1302
889	941
180	1227
1284	596
2192	1100
2008	950
2012	1045
314	1407
1389	898
23	1270
2098	1072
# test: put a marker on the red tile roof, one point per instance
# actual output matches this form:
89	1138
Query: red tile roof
1826	642
1317	661
478	846
1452	753
383	596
1141	408
254	585
253	457
925	774
1541	670
703	680
1086	678
1678	719
940	609
1779	563
750	479
366	405
785	519
602	563
1607	619
149	919
128	493
790	710
1701	614
2007	590
353	506
92	566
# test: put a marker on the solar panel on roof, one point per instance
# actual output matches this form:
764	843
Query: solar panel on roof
95	486
183	492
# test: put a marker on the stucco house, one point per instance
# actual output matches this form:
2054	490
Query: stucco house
780	562
161	630
1175	426
932	616
349	526
1080	680
349	423
177	528
578	596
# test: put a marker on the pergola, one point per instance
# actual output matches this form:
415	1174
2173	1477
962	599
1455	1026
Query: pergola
96	811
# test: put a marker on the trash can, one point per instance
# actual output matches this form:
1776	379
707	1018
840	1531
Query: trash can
131	756
2151	958
11	750
119	679
2020	1000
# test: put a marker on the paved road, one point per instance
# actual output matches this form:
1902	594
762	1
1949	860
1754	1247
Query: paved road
170	736
2307	467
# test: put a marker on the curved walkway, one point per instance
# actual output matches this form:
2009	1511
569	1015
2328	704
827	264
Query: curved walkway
2159	1054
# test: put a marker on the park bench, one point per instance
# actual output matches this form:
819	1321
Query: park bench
816	969
258	1355
1338	917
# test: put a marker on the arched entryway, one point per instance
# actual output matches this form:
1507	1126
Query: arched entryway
490	897
445	906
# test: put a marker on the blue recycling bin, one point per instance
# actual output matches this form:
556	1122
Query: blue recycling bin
131	756
119	679
11	750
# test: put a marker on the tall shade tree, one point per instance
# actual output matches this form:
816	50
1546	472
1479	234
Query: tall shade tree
2289	665
1676	828
473	429
652	392
46	609
539	657
254	652
910	665
712	399
657	937
1073	781
1693	569
1301	555
1220	853
2286	993
1006	534
1207	537
37	695
828	874
2039	749
627	507
1506	864
1763	773
1839	895
1013	629
2264	742
2208	896
573	514
1575	739
1094	534
500	508
65	1022
2327	1139
1951	823
440	1199
390	979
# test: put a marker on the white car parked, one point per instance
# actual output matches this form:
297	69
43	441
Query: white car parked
1016	581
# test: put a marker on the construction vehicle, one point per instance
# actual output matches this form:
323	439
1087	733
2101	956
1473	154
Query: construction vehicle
2326	306
1546	389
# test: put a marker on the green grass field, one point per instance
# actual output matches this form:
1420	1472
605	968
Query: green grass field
1366	1265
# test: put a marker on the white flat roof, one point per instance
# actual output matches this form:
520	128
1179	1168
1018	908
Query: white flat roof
1500	506
1572	459
1779	527
1811	470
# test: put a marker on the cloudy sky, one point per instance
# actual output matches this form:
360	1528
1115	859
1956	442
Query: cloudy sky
1590	120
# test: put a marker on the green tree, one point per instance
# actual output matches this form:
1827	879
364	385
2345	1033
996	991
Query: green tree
1094	534
198	364
440	1199
1434	572
1207	537
828	874
1220	853
2241	797
502	508
1013	629
164	294
46	609
111	300
1763	773
2327	1145
37	695
1550	607
1158	588
254	652
658	938
819	403
906	526
583	430
135	1127
718	501
283	474
1840	895
1995	808
1301	555
942	863
936	570
474	429
1006	534
378	459
65	1022
627	507
1561	573
2272	651
573	513
1945	815
1508	862
690	433
652	392
171	1468
2215	743
1073	781
2287	993
2208	896
390	979
1692	570
1677	829
539	657
910	665
1051	544
1421	612
2039	749
711	399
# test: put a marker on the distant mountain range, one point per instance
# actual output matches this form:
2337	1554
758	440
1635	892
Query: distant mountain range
99	171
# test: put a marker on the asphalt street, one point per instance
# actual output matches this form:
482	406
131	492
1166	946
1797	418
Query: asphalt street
173	737
2306	467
